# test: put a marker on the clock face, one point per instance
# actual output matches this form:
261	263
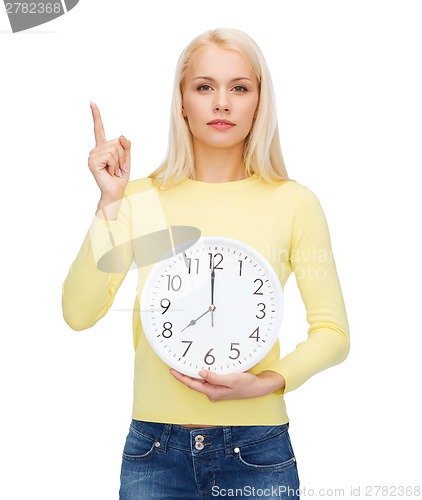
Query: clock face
217	305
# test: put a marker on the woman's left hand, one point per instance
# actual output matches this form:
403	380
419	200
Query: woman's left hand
233	386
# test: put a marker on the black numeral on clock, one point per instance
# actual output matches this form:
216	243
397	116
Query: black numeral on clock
213	260
235	350
209	358
188	347
167	333
165	306
190	263
257	292
261	310
255	335
174	283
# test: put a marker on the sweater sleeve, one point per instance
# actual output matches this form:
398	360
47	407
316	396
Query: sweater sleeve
98	271
311	259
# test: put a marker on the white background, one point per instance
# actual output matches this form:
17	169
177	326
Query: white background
348	83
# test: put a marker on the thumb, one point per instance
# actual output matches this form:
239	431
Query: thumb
212	378
126	144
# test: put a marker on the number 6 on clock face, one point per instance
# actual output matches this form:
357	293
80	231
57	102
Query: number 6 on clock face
216	306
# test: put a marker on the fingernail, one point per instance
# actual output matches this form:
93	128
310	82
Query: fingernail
124	167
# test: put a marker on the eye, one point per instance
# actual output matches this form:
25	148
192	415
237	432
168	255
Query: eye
205	87
240	88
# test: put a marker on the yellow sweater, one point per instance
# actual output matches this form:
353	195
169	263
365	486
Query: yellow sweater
284	222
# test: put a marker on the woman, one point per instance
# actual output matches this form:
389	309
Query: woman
212	435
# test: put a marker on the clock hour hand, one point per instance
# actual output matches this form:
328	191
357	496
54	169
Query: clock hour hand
193	321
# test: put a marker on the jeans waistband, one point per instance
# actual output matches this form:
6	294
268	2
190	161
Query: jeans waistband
200	441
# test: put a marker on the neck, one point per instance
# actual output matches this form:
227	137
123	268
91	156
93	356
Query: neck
219	165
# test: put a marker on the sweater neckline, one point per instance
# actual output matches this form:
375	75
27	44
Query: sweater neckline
221	185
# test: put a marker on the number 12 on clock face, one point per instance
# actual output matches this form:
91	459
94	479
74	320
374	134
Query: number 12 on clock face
216	306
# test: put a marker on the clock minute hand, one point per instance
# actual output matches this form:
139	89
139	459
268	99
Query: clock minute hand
212	296
212	286
193	321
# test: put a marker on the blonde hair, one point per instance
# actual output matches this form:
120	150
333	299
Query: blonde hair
262	152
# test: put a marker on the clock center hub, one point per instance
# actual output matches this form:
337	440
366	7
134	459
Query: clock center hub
212	308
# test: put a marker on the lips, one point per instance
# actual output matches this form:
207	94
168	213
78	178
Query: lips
221	124
225	122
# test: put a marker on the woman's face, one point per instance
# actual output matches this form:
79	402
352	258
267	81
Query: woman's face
220	97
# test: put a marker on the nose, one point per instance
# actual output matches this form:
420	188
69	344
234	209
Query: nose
218	107
222	103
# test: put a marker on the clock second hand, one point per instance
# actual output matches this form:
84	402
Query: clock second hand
193	321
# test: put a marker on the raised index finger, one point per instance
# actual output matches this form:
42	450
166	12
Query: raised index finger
99	131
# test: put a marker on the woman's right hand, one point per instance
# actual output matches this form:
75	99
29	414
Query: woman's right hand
109	162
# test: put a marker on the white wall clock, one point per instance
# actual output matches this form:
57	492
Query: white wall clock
218	305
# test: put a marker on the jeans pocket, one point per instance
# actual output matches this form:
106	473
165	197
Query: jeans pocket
138	446
272	453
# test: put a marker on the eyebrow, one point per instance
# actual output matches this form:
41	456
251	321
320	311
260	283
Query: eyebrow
213	80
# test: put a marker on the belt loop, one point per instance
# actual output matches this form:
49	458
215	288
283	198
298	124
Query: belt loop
165	437
227	433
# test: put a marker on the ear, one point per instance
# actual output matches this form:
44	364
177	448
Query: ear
184	112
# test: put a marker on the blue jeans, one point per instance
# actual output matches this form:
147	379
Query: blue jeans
171	462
